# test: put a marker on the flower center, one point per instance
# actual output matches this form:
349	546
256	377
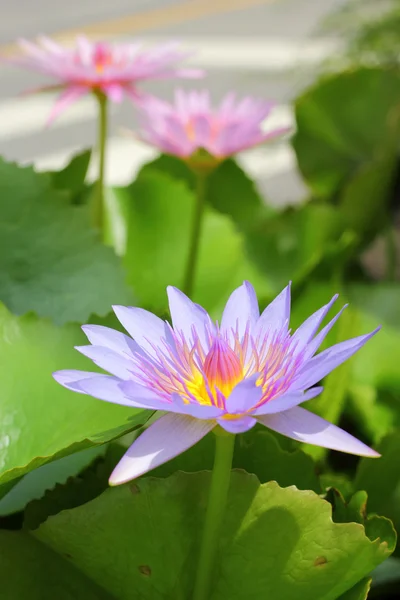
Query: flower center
102	58
190	130
222	371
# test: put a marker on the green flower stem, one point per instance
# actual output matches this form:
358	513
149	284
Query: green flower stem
215	513
195	234
98	198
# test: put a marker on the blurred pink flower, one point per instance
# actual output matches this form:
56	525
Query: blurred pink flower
191	124
113	70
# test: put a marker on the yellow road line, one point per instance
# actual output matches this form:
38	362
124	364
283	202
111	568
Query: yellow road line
174	14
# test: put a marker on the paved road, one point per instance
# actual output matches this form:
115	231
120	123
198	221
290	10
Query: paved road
266	48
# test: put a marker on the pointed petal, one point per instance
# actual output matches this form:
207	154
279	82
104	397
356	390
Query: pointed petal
186	316
304	426
168	437
66	98
109	360
276	315
241	310
309	328
237	425
145	328
98	335
103	387
318	367
199	411
114	91
314	344
244	395
287	401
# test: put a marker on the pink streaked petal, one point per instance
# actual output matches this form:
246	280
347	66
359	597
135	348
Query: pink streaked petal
244	395
68	97
237	425
273	133
145	328
199	411
109	360
275	316
226	106
145	396
51	46
304	426
31	49
103	387
43	89
188	73
114	91
202	130
98	335
85	49
287	401
318	367
139	98
241	311
168	437
309	328
187	316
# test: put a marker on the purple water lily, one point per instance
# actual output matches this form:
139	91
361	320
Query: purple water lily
249	368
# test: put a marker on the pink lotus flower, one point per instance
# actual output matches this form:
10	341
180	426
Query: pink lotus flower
113	70
190	124
248	369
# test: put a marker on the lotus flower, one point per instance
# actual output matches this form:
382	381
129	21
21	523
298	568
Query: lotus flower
113	70
248	369
190	125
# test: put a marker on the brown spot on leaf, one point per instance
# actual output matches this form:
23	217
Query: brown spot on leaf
134	488
67	555
145	570
321	560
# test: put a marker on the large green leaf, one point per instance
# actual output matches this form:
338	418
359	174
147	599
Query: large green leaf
257	452
232	192
342	123
358	592
229	190
72	176
28	569
276	542
34	484
158	244
381	478
40	420
51	261
291	245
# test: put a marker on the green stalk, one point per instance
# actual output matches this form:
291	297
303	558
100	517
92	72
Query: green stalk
98	198
195	234
215	513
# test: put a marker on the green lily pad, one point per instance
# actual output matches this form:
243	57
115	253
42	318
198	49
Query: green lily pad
40	420
292	244
158	244
28	569
257	452
72	176
51	261
276	542
342	124
229	189
358	592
